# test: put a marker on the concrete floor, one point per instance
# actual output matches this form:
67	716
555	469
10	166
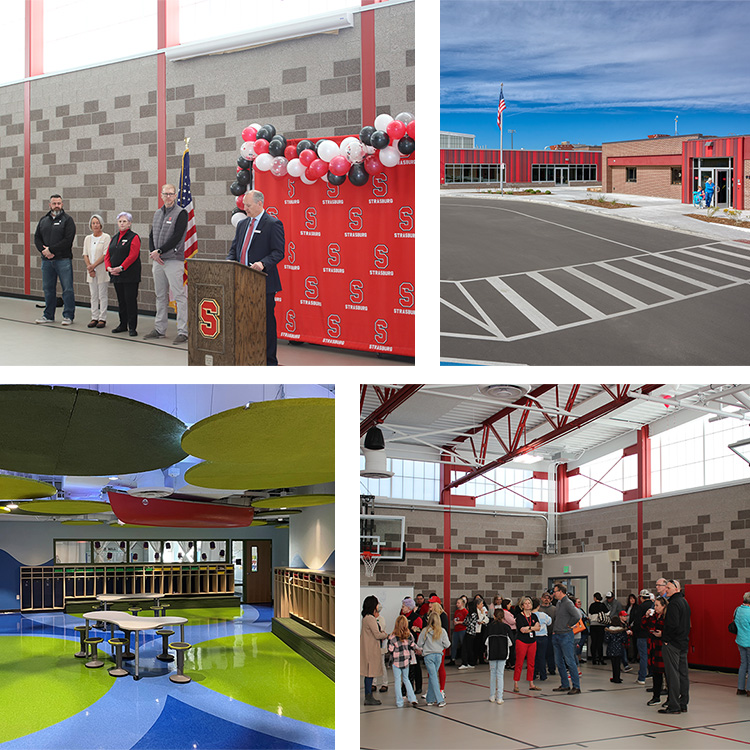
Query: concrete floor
544	285
25	343
603	717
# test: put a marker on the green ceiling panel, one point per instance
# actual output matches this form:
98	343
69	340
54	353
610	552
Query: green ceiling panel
58	430
294	501
65	507
264	474
21	488
288	432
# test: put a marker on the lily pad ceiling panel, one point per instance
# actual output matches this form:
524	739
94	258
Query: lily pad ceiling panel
58	430
294	501
262	474
22	488
64	507
288	434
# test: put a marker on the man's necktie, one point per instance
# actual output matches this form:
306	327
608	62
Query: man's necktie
246	243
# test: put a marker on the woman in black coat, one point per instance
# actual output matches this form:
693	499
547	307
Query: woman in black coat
123	263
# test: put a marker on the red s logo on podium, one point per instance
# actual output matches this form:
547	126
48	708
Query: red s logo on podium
209	318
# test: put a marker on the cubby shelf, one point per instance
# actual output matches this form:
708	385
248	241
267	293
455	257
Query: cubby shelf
306	594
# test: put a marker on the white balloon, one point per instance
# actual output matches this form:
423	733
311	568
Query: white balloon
370	150
237	218
381	122
325	177
305	180
389	156
327	150
263	162
247	150
295	168
405	117
347	141
256	125
354	150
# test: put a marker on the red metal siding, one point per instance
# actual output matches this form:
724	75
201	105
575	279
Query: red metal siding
733	148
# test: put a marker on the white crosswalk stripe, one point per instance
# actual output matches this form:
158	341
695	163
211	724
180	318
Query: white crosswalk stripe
627	278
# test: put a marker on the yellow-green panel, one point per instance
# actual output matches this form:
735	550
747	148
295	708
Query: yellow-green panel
22	488
294	501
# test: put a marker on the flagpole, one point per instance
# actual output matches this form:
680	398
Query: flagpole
502	187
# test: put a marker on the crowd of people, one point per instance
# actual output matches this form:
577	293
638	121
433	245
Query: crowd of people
548	634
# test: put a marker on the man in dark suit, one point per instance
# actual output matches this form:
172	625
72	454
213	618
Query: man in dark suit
259	243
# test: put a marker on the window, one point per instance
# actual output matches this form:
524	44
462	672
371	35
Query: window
676	176
472	173
603	480
412	480
510	488
12	55
630	174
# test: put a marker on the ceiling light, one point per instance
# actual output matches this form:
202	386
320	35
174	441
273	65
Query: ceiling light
529	458
11	506
374	440
505	392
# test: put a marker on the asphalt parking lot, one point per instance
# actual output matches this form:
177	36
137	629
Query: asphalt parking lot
527	283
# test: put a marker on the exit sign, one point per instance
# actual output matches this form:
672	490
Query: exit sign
566	568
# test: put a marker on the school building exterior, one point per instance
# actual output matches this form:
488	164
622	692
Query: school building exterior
677	166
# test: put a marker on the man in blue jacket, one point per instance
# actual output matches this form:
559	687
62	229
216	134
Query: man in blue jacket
54	240
675	638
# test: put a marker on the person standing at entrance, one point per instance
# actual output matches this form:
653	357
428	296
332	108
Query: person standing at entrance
54	240
709	188
166	243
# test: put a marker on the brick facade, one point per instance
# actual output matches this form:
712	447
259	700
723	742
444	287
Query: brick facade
94	132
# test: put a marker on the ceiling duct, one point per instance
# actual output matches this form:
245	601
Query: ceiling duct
375	465
505	392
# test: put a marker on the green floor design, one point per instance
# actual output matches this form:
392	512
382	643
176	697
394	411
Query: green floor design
42	683
260	669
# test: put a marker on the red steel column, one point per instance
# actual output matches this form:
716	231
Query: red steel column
167	35
643	444
561	488
445	477
367	31
33	66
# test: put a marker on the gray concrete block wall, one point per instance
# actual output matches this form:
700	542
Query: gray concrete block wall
94	136
471	571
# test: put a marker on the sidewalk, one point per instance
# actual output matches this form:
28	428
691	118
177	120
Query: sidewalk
658	212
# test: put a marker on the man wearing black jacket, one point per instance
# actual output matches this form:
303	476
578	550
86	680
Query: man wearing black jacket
640	634
54	240
675	638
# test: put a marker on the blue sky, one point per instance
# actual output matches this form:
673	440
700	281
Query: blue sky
589	71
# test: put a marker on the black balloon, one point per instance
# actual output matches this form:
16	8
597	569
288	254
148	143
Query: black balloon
271	131
244	163
302	145
336	179
358	175
379	139
406	145
236	189
279	138
275	148
244	177
236	210
365	134
263	133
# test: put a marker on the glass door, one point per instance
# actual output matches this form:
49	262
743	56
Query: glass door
561	175
578	586
723	188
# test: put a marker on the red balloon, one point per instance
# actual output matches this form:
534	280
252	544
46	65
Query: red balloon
339	165
319	167
261	146
307	157
395	129
290	152
310	173
249	134
240	202
373	165
410	129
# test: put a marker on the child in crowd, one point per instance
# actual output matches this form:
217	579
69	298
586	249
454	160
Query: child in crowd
498	648
616	637
433	640
401	645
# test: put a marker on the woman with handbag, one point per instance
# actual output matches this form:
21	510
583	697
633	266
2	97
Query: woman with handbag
741	621
599	618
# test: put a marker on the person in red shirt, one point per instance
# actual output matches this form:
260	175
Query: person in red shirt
123	263
458	629
423	607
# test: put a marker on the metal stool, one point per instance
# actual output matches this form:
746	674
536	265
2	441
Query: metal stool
117	670
127	653
159	609
165	655
82	633
179	648
95	660
134	610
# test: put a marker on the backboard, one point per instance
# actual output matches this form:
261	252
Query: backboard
383	535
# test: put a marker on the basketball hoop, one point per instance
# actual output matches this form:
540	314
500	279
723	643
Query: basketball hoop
370	560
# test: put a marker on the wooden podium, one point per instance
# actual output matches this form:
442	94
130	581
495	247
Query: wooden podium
227	313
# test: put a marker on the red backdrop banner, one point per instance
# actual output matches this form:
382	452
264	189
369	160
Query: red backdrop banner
348	274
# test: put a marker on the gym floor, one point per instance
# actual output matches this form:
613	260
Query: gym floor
248	689
604	716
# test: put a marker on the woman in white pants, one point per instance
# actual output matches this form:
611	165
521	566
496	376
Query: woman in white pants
94	249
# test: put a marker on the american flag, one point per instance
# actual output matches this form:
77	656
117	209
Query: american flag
185	200
500	108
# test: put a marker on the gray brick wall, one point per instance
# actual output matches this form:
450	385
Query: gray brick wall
94	132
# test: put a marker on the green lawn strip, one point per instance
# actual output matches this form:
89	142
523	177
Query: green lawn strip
45	683
261	670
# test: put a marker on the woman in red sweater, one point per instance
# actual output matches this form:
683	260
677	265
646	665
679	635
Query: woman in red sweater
123	264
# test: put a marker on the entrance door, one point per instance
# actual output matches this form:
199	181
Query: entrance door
561	175
579	587
723	188
258	588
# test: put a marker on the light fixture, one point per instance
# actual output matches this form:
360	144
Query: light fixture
374	440
320	24
528	458
742	449
11	506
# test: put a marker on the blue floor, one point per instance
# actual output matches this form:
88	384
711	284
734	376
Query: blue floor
156	713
